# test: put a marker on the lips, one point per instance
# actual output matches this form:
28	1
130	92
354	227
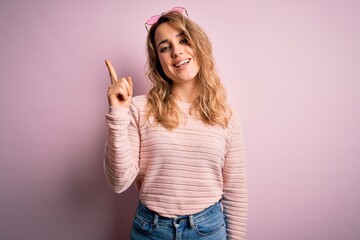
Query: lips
181	63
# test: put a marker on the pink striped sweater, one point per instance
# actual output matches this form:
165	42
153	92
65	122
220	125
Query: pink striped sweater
179	172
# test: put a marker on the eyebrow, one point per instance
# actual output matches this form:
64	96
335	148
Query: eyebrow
166	40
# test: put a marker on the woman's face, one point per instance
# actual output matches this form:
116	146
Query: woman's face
176	56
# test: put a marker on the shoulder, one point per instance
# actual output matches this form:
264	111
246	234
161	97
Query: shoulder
139	100
138	108
235	121
139	103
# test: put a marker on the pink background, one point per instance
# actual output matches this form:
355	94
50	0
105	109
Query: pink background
291	69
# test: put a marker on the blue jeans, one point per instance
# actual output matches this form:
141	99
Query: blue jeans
208	224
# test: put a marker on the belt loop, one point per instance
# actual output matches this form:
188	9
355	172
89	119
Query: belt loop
155	221
191	220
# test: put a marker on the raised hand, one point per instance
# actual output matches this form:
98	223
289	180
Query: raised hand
121	90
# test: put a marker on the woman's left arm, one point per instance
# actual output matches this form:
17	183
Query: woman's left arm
235	194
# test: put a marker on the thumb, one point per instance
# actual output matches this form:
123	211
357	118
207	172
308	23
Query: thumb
129	80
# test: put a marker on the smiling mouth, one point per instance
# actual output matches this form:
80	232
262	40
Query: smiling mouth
184	62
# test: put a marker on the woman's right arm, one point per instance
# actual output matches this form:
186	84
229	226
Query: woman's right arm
121	156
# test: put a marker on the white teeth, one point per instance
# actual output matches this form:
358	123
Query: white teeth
182	62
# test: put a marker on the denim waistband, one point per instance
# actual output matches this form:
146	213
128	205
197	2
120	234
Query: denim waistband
156	219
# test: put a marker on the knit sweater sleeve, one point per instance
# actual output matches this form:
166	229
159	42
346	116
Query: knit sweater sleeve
235	197
121	155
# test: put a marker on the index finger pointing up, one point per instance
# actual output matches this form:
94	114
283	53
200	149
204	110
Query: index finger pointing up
112	72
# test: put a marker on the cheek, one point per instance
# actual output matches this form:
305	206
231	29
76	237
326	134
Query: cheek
197	65
164	63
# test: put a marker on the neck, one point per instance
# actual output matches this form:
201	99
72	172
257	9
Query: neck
185	92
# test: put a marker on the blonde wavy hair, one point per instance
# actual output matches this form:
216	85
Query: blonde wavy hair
210	104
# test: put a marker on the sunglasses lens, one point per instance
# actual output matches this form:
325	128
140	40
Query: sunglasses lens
177	9
152	20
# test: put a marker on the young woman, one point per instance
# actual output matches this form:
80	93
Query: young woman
182	144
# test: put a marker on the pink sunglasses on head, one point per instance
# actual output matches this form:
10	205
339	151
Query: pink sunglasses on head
151	21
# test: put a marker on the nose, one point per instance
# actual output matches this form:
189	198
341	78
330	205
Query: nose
177	49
